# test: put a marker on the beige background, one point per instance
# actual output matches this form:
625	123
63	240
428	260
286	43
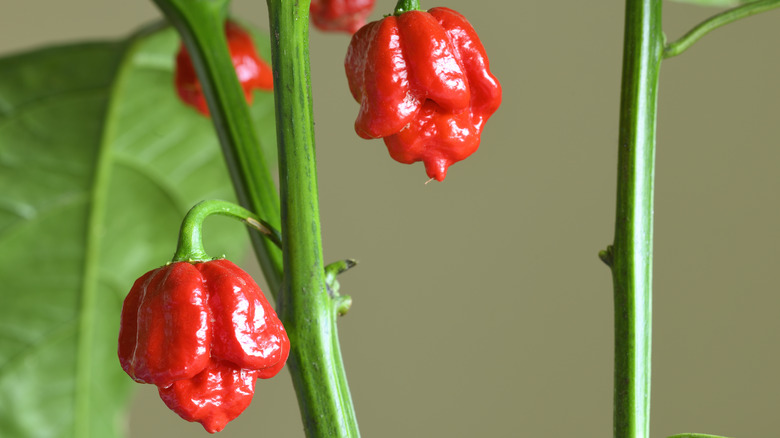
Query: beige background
480	306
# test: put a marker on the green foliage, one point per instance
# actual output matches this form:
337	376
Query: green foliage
99	161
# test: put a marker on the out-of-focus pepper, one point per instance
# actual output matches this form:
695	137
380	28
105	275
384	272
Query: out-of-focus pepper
252	71
203	332
424	85
340	15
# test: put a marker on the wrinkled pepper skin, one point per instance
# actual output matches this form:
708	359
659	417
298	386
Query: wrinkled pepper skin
253	73
203	333
424	85
214	397
340	15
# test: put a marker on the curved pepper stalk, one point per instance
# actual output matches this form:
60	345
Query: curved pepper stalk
424	85
201	329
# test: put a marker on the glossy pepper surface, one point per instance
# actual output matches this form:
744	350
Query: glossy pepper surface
424	85
253	73
203	333
340	15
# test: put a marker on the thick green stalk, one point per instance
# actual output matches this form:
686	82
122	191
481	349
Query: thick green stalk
631	254
305	307
201	26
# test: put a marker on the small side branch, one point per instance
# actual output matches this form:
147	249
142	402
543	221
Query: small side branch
726	17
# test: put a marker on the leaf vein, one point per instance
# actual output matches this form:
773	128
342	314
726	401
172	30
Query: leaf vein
52	99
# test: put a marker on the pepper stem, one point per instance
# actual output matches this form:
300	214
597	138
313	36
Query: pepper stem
190	246
631	254
406	6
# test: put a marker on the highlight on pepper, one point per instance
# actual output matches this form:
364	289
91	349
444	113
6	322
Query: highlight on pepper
253	73
424	86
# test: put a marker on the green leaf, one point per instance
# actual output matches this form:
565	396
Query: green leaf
716	3
99	161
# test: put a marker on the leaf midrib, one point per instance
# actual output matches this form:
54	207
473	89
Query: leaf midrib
95	225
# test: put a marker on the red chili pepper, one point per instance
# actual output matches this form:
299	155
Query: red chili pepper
214	397
424	85
203	333
343	15
251	70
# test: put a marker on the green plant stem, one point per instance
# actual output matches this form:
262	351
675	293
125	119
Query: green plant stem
406	6
631	254
201	26
308	312
305	307
716	21
695	435
190	247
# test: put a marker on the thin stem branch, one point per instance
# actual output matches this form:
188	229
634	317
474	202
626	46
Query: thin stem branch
695	435
305	307
714	22
631	254
201	26
190	247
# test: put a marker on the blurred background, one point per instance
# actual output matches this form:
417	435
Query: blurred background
480	307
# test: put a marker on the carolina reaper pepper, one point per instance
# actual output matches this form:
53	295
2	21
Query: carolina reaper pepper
424	86
343	15
202	331
252	71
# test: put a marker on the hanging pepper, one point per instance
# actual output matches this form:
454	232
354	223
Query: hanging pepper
252	71
203	333
424	85
340	15
201	330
